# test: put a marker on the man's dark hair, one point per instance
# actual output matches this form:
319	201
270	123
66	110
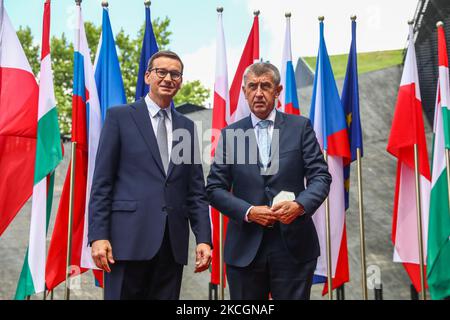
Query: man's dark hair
261	68
164	53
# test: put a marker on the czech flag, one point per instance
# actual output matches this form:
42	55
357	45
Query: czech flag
328	119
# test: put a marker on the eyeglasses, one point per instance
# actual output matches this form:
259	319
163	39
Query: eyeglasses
162	73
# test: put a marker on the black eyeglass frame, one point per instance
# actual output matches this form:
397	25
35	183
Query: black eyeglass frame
174	75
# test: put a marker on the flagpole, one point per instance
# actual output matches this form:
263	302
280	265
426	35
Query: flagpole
419	222
105	5
362	241
221	230
221	269
328	229
71	204
328	235
361	225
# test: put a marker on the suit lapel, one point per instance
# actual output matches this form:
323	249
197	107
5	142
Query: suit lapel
278	136
141	117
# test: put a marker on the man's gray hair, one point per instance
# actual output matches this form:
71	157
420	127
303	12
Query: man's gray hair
260	68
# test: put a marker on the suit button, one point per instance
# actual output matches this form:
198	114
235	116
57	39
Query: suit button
267	189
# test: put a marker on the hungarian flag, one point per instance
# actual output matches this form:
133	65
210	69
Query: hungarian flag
406	131
219	121
238	104
18	123
288	99
86	124
328	119
350	103
48	156
149	48
438	260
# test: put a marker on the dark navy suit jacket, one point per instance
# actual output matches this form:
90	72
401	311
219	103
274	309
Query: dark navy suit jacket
131	195
233	188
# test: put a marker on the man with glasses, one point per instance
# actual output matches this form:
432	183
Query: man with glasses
271	245
142	201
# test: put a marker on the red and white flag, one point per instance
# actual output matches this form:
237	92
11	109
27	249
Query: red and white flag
220	118
238	105
406	131
18	123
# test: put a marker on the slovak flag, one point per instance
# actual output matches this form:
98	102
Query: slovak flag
328	119
86	126
288	101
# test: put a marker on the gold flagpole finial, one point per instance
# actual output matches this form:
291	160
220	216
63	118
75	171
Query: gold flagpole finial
287	14
256	12
105	4
219	9
353	17
321	18
147	3
439	24
78	2
411	22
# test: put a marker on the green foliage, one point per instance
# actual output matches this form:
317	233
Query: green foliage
31	50
93	37
192	92
62	64
129	50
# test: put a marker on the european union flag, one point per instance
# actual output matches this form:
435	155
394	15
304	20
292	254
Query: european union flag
149	48
108	76
350	103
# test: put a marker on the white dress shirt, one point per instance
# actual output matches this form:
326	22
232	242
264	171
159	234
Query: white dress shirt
153	110
255	121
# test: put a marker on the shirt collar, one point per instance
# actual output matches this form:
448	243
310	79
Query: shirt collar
255	119
153	108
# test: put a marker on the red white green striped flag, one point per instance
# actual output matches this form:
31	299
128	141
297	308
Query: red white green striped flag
438	272
48	156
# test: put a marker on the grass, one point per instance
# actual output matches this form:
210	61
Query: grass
367	61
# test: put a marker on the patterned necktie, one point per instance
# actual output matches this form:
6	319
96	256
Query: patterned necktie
161	138
264	141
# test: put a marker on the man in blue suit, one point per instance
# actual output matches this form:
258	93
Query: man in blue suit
146	190
258	181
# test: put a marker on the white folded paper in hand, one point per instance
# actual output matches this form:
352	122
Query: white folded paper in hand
283	196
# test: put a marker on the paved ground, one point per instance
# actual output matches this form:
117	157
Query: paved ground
378	91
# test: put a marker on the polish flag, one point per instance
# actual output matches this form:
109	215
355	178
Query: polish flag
18	123
238	105
220	118
406	131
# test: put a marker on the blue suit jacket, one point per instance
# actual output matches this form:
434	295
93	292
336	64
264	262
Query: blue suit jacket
233	188
131	195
